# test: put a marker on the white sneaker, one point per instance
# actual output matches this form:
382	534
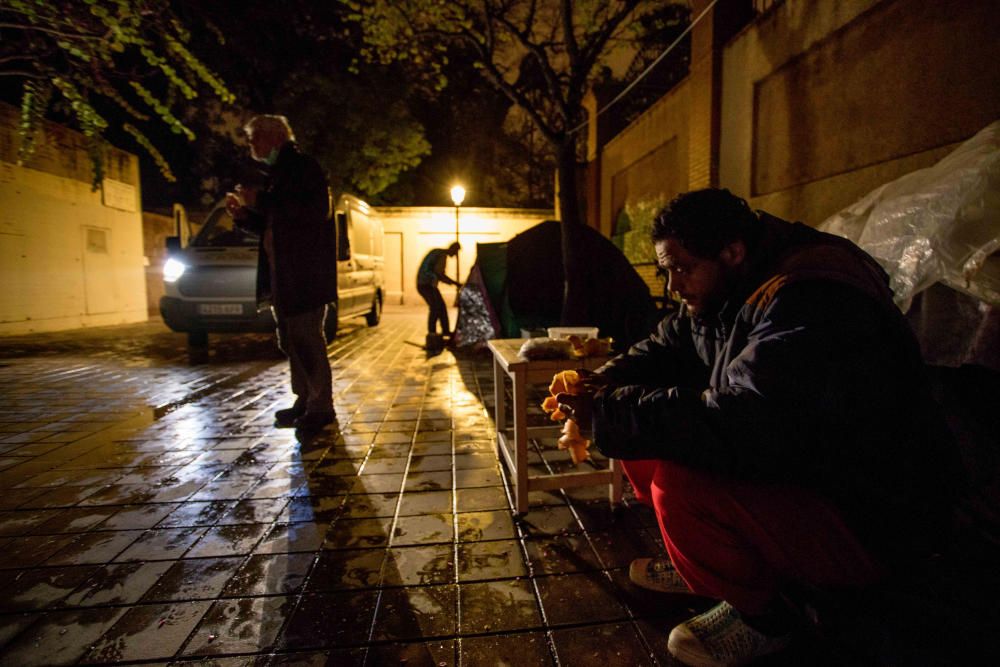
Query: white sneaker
720	638
657	574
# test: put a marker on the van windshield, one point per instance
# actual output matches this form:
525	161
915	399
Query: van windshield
219	231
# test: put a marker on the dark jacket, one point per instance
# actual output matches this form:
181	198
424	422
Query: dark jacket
296	205
431	269
808	376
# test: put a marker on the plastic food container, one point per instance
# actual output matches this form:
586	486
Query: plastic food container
566	332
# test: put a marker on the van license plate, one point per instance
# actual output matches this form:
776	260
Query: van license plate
220	309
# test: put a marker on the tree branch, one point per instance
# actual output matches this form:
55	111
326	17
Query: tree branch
548	72
7	59
50	31
572	49
595	47
521	100
495	76
28	75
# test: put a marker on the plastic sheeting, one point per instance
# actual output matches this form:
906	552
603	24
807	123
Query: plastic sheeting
936	232
477	321
940	224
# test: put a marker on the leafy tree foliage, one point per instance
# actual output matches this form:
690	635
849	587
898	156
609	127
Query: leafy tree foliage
108	66
293	58
479	141
363	137
543	55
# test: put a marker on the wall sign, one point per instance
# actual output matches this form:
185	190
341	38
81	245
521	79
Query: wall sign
116	194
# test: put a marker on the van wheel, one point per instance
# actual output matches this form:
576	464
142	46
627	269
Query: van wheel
197	339
330	323
374	316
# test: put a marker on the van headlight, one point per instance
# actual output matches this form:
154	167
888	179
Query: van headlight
173	269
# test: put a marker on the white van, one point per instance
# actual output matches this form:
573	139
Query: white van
210	285
360	260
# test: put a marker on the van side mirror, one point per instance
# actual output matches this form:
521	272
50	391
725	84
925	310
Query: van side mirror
182	225
173	244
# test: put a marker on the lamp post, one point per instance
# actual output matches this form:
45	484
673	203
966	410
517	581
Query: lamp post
457	196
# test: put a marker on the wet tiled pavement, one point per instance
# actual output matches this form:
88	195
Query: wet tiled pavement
152	513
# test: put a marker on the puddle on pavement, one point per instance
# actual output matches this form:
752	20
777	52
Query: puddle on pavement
270	574
228	540
498	606
490	560
409	613
193	579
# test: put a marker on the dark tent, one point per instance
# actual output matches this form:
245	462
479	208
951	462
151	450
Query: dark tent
523	285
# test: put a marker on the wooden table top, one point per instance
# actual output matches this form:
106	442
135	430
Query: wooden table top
505	351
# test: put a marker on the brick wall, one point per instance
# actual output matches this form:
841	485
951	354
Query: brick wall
648	274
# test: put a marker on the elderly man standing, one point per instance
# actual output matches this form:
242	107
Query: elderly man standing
297	265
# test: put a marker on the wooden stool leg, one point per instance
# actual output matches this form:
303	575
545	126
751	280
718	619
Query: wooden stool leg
499	402
520	441
616	482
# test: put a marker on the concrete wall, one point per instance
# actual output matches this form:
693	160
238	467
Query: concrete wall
411	232
155	230
812	105
69	257
824	100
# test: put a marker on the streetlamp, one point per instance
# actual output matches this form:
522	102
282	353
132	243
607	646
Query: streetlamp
457	196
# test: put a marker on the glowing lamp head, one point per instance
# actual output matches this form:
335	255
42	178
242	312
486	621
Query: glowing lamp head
458	195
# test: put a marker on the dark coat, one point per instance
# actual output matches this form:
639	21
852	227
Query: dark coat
808	376
296	205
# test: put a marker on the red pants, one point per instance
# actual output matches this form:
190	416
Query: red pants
744	542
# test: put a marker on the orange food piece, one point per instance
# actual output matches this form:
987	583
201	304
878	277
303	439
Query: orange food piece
574	442
565	382
590	347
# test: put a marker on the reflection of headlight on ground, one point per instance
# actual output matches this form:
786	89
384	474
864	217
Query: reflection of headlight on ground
173	269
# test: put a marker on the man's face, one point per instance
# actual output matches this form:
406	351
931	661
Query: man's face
261	145
702	284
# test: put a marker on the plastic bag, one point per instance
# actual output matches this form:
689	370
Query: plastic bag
940	224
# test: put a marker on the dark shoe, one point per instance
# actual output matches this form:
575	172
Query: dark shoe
434	342
286	418
314	421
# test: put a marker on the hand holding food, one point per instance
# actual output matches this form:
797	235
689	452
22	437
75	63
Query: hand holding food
233	203
567	383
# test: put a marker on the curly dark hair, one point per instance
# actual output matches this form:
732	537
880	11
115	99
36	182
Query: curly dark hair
706	221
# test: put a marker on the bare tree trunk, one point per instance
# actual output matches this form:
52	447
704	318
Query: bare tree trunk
574	305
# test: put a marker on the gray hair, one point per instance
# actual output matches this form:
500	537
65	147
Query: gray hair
269	124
